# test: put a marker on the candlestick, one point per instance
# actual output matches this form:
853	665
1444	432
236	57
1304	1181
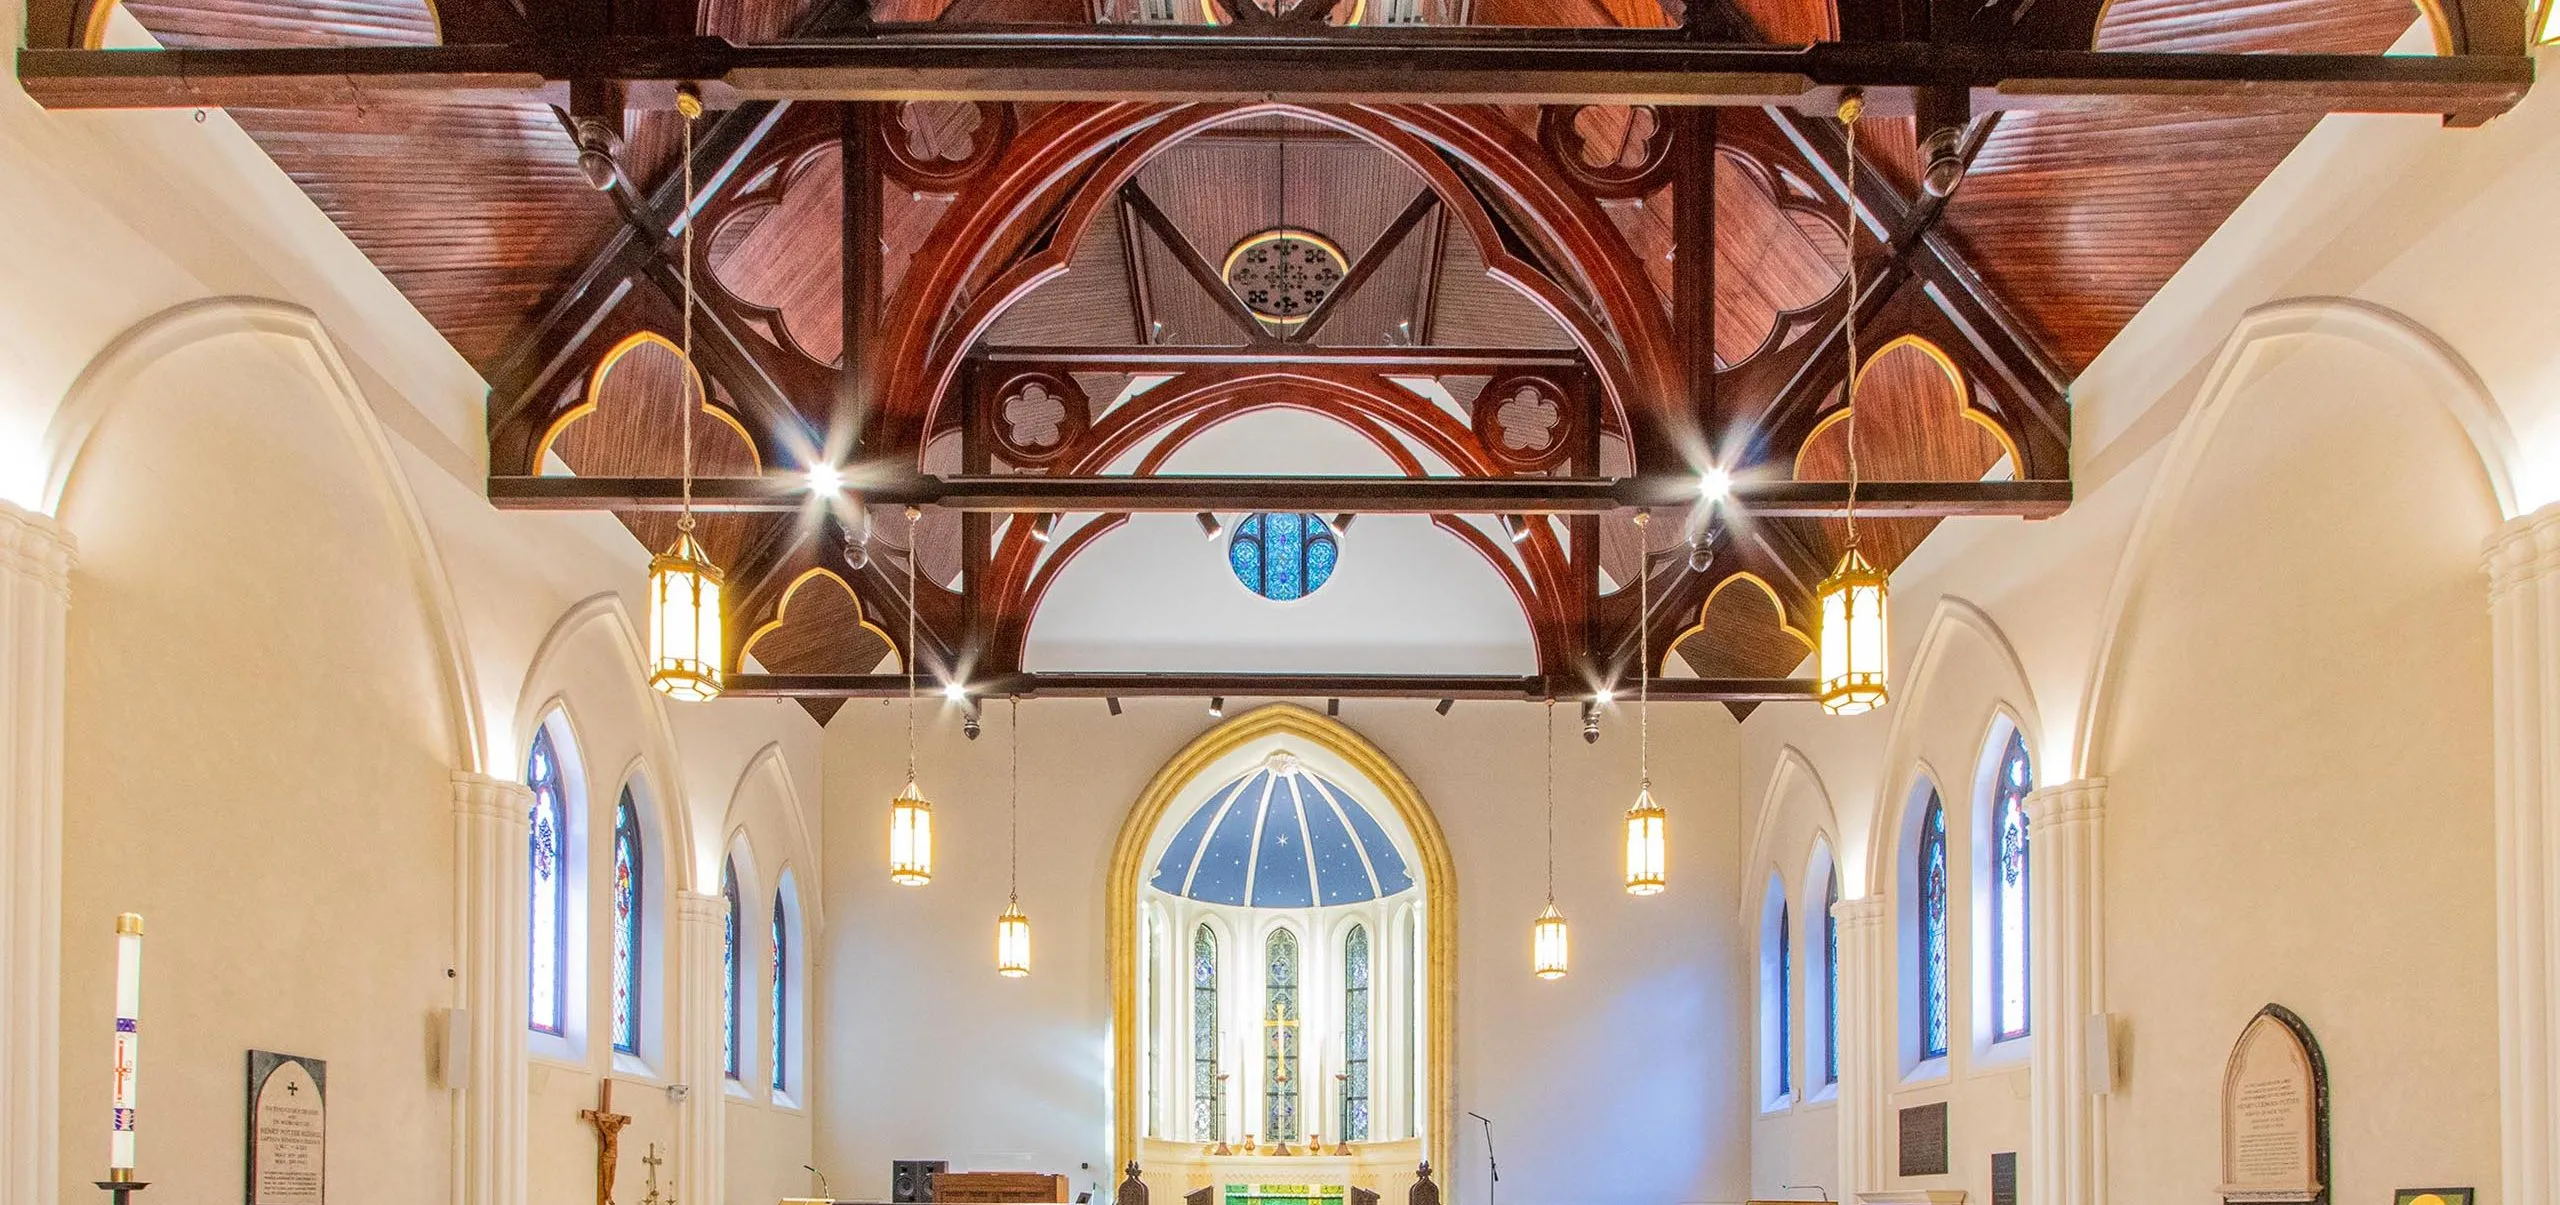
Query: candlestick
128	1045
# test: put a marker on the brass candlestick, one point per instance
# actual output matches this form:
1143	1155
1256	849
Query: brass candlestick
121	1185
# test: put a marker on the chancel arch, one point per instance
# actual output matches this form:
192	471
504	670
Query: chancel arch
1277	876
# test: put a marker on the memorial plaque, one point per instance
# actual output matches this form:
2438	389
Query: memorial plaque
2004	1178
288	1129
2275	1113
1924	1140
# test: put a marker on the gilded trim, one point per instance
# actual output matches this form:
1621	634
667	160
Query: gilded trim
1743	575
1440	912
782	610
1955	377
595	386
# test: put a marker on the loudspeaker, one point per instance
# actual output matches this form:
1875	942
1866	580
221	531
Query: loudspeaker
2098	1047
453	1050
912	1179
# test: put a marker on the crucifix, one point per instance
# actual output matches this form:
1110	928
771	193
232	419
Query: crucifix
608	1126
654	1162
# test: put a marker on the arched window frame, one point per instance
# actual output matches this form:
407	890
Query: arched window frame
1932	1000
1818	1075
627	906
733	1039
1206	964
781	1026
1776	999
2004	910
564	789
1359	1033
1282	1039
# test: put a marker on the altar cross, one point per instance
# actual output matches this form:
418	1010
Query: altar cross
608	1125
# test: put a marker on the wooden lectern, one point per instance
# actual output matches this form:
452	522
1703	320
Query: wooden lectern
1008	1188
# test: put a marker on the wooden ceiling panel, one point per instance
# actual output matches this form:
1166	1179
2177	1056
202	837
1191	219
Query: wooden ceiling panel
820	629
1090	304
785	255
629	429
226	23
1768	259
1913	425
1475	310
1789	22
2077	219
1742	633
745	21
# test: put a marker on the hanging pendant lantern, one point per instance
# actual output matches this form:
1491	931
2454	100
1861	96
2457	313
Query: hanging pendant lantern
1549	945
1647	854
1852	604
685	648
684	622
910	838
1013	943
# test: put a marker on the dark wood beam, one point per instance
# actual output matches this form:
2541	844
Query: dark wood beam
1392	64
1428	361
1022	493
1488	687
1370	261
1202	272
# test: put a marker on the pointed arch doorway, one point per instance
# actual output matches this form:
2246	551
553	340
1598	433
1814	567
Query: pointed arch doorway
1282	946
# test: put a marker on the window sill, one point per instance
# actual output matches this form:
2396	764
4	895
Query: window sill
783	1102
1778	1108
632	1067
2002	1055
736	1091
1929	1071
1823	1095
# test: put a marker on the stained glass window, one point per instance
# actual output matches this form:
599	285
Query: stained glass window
781	982
1932	869
1280	1036
626	925
1208	1090
1786	1003
1148	971
729	968
1831	979
1283	557
2009	910
1355	1036
547	972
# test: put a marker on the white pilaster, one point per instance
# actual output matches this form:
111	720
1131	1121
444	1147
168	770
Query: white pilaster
2066	1150
490	818
701	1141
2523	562
35	593
1867	1044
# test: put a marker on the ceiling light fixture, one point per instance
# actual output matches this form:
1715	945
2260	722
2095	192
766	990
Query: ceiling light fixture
1218	708
1515	527
1549	948
955	692
1646	840
910	816
1715	485
1112	702
1445	705
825	478
1209	525
1044	526
685	643
1852	603
1013	929
1591	720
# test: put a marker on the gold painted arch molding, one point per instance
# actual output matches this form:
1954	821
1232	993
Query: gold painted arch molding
1292	723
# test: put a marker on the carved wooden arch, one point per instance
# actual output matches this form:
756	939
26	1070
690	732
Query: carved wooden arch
1967	404
1021	227
584	401
1020	577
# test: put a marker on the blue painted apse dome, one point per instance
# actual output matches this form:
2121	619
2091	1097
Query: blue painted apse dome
1281	836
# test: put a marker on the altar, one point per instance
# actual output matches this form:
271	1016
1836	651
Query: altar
1177	1170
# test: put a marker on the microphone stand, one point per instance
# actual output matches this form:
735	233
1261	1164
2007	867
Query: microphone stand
1491	1165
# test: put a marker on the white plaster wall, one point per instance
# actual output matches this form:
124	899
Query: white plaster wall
930	1055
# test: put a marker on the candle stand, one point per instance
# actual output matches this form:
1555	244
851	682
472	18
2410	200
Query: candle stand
122	1190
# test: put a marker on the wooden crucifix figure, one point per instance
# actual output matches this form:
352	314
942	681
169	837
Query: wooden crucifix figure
608	1126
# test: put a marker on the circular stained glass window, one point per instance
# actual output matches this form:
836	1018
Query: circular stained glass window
1283	275
1283	557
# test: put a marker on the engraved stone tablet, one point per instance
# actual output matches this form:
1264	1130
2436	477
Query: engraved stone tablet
2004	1178
288	1130
2274	1101
1924	1140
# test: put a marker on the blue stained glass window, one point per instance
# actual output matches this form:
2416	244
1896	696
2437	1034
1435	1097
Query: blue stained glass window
1355	1035
729	968
781	1015
626	925
547	914
1208	1089
1932	870
2009	909
1280	1037
1786	1003
1831	979
1283	557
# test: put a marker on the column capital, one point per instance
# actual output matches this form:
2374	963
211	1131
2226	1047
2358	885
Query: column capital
2075	802
693	906
2526	549
1862	912
476	794
36	547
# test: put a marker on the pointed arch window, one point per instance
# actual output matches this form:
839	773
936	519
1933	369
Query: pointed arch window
1280	1036
729	968
781	995
1355	1036
627	905
547	913
2010	912
1930	864
1786	1001
1208	1095
1831	978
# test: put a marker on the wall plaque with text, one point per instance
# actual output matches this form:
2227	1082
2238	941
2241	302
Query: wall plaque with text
2275	1114
288	1129
2004	1178
1924	1140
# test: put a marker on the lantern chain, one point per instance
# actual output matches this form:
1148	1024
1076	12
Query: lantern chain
1644	652
691	106
1851	106
1551	801
913	514
1013	805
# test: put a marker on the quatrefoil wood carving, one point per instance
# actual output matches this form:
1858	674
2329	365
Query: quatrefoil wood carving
1036	417
1526	423
1610	150
939	145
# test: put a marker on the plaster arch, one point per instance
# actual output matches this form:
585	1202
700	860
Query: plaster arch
2450	382
1953	625
549	676
766	769
106	383
1793	770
